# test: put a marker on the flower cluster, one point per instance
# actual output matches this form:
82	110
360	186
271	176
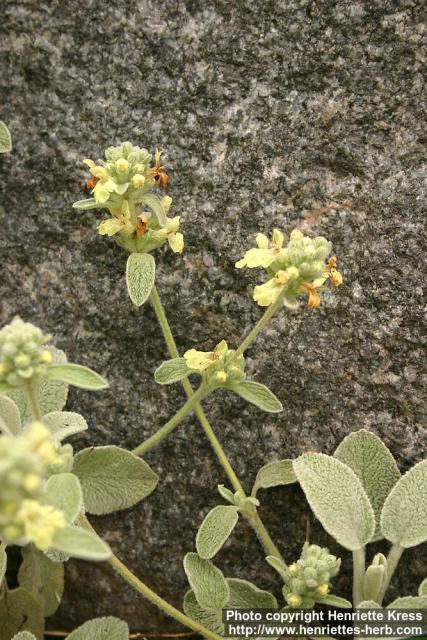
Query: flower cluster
219	366
25	461
307	580
22	353
122	183
296	269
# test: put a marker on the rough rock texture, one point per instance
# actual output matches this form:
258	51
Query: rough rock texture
278	113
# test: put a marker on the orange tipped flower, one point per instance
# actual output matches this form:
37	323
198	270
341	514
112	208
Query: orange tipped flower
158	173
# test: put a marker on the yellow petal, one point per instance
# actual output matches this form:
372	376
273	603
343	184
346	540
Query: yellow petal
173	224
267	293
166	203
89	163
176	242
277	238
221	349
110	227
198	360
99	172
262	241
259	258
296	234
101	193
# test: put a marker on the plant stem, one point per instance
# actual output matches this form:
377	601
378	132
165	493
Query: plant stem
392	562
164	431
358	575
255	520
269	313
151	595
31	393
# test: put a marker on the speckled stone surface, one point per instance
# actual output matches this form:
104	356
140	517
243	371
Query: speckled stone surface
278	113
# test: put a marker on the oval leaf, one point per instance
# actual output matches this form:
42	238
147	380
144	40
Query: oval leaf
24	635
209	618
43	578
274	474
112	479
422	589
375	467
89	203
5	139
79	543
245	595
171	371
19	611
337	499
408	602
77	376
140	276
9	413
404	515
64	492
258	394
207	581
63	424
215	530
336	601
101	629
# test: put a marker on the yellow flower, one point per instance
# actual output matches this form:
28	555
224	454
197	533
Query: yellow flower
39	438
138	180
40	522
336	278
263	255
294	600
175	239
322	590
267	293
110	227
201	360
122	165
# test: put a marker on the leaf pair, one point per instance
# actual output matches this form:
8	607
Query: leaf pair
358	496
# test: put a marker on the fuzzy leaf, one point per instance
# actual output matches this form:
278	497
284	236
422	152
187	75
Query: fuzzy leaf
101	629
89	203
63	424
374	465
140	276
215	530
408	602
52	394
171	371
79	543
337	499
43	578
336	601
3	562
209	618
5	139
245	595
19	611
278	565
226	493
422	589
9	414
258	394
77	376
368	604
112	479
156	207
274	474
404	515
207	581
24	635
373	580
64	492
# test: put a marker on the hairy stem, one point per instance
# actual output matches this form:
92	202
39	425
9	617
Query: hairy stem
255	520
33	399
392	562
265	318
358	575
151	595
164	431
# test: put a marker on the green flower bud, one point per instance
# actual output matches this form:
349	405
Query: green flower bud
22	353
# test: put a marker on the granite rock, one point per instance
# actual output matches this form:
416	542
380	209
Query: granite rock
279	113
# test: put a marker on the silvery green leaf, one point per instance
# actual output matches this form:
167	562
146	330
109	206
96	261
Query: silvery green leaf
19	611
156	207
64	492
274	474
79	543
77	376
207	581
171	371
337	498
140	276
63	424
373	581
368	604
3	561
24	635
245	595
408	602
404	515
43	578
226	493
374	465
278	565
101	629
258	394
209	618
215	530
336	601
112	479
9	414
89	203
5	139
422	589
